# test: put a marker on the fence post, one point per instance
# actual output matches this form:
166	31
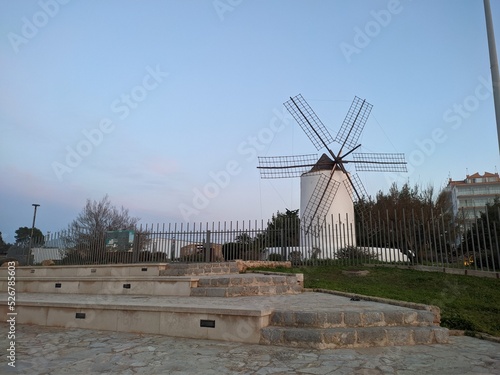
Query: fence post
172	249
207	247
282	238
135	247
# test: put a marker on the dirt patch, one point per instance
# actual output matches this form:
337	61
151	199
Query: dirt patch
356	272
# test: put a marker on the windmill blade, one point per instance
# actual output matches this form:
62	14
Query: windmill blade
286	166
320	202
379	162
309	121
358	193
354	123
355	188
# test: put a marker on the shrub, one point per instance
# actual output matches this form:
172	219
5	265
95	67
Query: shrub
455	321
295	257
355	253
275	257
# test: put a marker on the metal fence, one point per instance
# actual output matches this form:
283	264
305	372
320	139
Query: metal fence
408	238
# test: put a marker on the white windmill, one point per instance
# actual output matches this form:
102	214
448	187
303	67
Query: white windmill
328	190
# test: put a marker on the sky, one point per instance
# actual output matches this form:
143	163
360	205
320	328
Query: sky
165	106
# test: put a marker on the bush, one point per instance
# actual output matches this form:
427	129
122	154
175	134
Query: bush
73	256
295	257
195	258
488	260
455	321
355	254
156	256
233	250
275	257
20	253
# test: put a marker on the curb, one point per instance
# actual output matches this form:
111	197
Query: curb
412	305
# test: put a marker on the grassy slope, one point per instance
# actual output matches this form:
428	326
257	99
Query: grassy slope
466	302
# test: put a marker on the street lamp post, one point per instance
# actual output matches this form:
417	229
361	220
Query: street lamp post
32	231
495	75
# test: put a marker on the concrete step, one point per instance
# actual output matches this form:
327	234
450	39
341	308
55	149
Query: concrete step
118	270
352	318
112	270
198	269
188	317
245	290
106	285
352	337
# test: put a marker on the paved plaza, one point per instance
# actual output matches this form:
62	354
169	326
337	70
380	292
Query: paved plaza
48	350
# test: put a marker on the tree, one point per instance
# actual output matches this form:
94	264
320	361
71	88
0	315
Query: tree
86	234
243	247
23	236
99	217
284	229
4	247
407	218
243	238
481	240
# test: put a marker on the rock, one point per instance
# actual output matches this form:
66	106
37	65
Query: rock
356	273
7	261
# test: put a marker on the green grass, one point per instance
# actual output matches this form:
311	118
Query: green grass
466	302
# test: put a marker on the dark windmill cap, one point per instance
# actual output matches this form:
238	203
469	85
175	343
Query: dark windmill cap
324	163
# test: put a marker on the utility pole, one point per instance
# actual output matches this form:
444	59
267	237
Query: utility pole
32	231
495	77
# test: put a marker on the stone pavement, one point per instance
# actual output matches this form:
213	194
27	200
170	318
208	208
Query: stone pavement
48	350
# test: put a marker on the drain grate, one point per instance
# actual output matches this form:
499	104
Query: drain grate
207	323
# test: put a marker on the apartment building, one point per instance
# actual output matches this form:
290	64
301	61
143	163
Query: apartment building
469	196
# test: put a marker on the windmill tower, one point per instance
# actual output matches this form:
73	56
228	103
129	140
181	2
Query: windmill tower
328	190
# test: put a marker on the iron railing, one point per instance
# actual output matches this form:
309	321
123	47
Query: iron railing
409	238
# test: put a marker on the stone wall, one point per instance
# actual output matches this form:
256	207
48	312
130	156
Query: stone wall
243	265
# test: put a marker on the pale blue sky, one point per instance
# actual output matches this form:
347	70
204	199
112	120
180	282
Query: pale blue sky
171	93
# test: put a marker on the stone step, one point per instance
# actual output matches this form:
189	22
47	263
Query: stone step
197	269
248	285
247	280
354	318
352	337
245	290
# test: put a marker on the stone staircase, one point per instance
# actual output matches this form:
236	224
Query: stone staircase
176	279
211	301
353	328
